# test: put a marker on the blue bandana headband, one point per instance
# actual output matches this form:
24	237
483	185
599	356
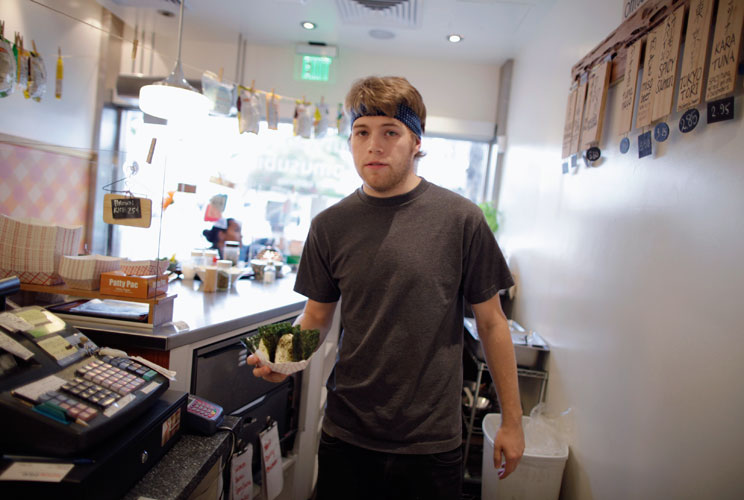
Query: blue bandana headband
404	114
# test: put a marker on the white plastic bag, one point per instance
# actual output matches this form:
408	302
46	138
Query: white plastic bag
303	121
249	113
272	111
322	119
547	435
221	95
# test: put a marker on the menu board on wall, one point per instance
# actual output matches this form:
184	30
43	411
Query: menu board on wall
596	97
628	87
568	125
666	64
646	95
695	54
578	115
725	52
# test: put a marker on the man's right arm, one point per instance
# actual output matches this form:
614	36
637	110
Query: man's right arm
316	315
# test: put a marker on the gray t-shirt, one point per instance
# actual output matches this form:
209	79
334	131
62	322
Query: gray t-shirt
402	266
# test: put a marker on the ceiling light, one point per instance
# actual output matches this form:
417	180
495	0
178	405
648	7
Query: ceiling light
308	25
454	38
381	34
173	97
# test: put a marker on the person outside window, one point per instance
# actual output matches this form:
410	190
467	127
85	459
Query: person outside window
402	255
223	230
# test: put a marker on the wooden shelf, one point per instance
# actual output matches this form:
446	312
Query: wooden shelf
160	310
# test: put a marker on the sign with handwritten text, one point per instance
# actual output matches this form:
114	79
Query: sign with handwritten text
579	114
628	87
650	67
596	98
241	475
568	124
127	210
725	52
272	462
695	54
667	63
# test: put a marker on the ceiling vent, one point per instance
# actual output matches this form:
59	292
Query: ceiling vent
392	13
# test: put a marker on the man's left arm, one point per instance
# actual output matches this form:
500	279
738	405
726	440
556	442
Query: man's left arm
495	337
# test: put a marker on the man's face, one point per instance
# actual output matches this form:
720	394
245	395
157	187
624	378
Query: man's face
383	150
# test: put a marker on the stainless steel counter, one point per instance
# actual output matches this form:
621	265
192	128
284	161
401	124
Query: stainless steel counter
198	315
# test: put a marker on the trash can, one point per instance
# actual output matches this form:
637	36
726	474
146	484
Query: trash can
538	476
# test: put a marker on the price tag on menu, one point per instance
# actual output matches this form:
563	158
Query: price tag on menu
689	120
241	474
721	110
272	462
644	144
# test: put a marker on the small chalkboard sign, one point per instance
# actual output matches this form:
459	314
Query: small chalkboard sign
644	144
689	120
721	110
565	167
593	153
127	210
624	145
661	132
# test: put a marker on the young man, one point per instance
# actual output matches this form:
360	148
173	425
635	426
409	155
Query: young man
403	254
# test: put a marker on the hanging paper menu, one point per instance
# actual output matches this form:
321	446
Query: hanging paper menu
628	87
671	32
650	64
695	54
725	53
578	115
596	97
568	125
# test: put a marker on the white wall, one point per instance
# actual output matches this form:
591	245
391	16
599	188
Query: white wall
460	96
632	271
68	121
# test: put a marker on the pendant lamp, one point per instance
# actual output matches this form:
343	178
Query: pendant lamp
174	97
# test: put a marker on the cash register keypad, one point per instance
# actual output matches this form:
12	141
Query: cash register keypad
110	377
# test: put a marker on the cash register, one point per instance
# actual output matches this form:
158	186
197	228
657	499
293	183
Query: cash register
64	400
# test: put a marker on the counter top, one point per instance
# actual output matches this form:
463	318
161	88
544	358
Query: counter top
198	315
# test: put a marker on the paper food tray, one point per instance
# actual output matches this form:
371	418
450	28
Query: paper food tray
285	368
32	250
84	271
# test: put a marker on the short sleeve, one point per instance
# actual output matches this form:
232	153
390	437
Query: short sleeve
314	277
485	269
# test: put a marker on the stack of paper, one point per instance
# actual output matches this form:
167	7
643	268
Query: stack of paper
84	271
32	250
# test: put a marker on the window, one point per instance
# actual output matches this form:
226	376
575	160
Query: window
274	182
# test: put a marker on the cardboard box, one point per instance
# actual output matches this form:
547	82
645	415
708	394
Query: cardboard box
141	287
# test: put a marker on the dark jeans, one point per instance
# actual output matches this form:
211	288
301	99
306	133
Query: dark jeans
347	472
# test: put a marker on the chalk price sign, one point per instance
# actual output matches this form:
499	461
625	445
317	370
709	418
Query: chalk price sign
689	120
721	110
126	208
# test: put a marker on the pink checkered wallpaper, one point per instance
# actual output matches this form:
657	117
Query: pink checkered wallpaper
51	187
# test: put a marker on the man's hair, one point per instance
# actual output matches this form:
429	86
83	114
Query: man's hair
376	95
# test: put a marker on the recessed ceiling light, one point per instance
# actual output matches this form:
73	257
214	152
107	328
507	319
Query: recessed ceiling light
454	38
381	34
308	25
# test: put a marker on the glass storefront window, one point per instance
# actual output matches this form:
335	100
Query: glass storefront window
272	182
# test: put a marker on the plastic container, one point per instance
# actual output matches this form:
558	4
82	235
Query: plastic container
232	252
537	477
223	275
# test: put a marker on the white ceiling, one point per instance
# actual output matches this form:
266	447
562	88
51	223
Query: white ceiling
493	30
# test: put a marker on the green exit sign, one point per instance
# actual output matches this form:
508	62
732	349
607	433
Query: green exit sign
315	68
